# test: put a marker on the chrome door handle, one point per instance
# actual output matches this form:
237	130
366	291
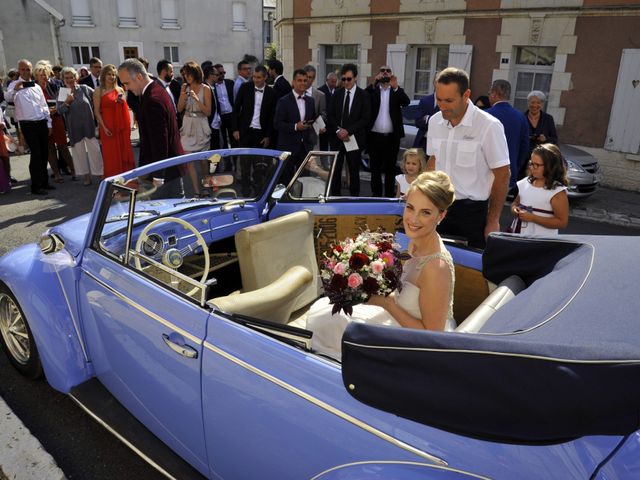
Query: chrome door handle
184	350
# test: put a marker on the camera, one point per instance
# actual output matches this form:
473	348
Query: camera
385	79
28	84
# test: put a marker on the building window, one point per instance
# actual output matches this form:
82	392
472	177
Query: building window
127	14
239	11
81	14
169	13
429	61
267	27
337	55
171	53
533	71
81	54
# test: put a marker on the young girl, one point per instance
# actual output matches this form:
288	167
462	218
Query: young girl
414	163
542	205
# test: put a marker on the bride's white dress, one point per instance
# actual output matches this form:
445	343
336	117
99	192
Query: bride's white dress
328	329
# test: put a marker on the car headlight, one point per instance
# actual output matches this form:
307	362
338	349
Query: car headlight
50	243
574	167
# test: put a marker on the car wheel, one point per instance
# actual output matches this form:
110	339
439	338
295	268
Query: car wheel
16	337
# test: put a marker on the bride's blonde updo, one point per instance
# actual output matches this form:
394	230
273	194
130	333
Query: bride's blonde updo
437	187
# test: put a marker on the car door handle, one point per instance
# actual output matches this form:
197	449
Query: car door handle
184	350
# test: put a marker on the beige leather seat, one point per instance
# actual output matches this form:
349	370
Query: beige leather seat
275	302
268	250
507	289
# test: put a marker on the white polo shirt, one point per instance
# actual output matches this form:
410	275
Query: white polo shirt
469	151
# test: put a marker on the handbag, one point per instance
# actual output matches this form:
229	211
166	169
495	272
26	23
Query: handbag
10	143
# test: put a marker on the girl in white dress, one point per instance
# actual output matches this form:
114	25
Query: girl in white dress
414	163
542	205
426	298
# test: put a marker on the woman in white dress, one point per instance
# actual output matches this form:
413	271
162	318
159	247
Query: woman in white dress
426	298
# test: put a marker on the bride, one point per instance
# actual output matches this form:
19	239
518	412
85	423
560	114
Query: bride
426	299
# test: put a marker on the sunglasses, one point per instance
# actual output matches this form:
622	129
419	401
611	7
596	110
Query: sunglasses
221	73
347	79
383	70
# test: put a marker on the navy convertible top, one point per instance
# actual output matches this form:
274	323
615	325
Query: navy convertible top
559	361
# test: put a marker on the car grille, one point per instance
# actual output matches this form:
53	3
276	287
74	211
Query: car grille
591	167
589	188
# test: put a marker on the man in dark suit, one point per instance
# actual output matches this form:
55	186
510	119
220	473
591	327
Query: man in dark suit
167	80
349	117
387	128
280	84
93	79
253	113
295	113
516	127
426	108
159	134
329	89
223	94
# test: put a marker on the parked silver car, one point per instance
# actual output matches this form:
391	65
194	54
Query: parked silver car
583	170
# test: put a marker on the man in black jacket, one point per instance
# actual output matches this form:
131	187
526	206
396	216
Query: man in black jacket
349	118
329	89
223	94
386	130
253	111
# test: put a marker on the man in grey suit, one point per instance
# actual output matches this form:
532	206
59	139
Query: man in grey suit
319	101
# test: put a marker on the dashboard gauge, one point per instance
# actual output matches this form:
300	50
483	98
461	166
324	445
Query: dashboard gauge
153	245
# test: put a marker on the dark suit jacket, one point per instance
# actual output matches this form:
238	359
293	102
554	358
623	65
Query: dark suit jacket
243	109
546	126
159	134
88	81
397	100
327	93
516	129
426	106
287	115
359	116
281	87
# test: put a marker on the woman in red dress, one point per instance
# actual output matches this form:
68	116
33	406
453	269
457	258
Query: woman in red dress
58	138
112	113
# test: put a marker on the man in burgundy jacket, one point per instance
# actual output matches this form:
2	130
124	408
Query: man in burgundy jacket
159	134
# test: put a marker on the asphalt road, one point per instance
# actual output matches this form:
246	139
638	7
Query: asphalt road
79	445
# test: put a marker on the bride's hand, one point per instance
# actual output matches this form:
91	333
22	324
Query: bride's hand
379	301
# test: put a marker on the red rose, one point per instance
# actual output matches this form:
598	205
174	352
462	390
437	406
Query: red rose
338	248
370	285
358	260
338	283
384	246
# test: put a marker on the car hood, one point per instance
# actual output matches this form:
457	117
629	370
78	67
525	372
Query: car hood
576	155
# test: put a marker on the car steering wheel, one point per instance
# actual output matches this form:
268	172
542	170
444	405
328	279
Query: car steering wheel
173	257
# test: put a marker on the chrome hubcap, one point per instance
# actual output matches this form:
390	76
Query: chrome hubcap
14	330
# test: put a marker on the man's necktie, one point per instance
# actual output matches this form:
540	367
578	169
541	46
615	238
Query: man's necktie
259	90
345	109
300	97
97	82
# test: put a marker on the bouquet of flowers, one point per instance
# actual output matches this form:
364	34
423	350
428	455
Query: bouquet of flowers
359	267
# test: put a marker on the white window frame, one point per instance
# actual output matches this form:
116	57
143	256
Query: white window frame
519	98
239	16
412	68
169	15
81	14
170	57
92	51
127	15
323	60
122	45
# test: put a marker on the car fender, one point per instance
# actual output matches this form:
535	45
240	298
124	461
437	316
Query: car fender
45	288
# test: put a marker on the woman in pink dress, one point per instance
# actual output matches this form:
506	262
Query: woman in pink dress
112	114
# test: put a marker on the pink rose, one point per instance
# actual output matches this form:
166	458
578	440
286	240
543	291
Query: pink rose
377	267
354	280
387	258
339	269
330	265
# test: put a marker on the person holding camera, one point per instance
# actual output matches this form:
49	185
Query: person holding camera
32	113
383	142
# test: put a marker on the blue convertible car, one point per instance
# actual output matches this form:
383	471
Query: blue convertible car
178	322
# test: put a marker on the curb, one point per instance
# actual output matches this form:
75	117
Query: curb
21	454
601	215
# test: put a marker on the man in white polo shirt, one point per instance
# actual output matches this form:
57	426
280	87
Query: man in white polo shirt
470	146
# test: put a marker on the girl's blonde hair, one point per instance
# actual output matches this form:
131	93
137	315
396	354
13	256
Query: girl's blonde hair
106	69
437	187
415	152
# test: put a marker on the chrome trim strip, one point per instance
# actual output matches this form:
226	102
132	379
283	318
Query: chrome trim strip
122	439
499	354
400	462
73	318
147	312
325	406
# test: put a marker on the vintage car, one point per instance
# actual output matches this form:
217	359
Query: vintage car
178	323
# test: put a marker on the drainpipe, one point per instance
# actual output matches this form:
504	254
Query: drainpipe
56	20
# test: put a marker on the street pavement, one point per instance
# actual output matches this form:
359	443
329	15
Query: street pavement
24	216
